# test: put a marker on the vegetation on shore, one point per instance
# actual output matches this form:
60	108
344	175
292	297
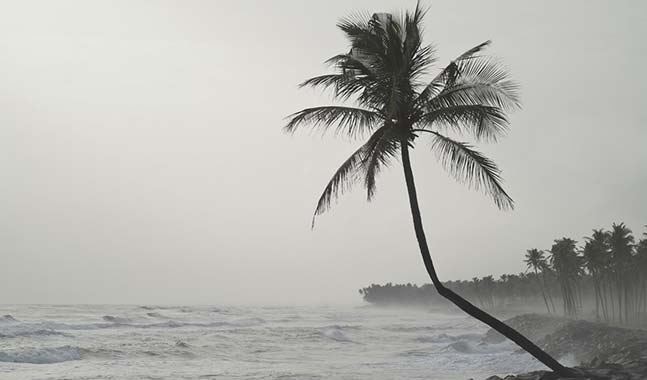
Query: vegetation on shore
606	275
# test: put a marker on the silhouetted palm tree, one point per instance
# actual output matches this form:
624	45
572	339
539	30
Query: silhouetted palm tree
621	245
641	268
568	267
536	261
596	259
383	74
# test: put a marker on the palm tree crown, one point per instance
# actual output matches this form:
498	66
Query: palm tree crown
535	259
596	251
621	243
565	259
382	75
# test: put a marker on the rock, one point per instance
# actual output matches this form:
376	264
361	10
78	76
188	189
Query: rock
606	352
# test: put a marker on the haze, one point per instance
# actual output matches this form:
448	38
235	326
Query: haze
142	158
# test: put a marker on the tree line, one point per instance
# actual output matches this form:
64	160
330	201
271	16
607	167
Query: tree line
605	276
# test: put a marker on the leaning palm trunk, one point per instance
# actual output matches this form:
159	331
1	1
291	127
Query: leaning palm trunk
456	299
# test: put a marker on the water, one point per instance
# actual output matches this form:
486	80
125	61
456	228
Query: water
148	342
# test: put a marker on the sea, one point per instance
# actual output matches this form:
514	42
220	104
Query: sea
76	342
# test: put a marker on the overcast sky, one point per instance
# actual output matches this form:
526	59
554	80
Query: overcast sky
142	158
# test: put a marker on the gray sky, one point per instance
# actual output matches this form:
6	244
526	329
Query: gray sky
142	158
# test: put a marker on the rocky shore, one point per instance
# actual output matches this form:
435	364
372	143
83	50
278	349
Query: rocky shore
605	352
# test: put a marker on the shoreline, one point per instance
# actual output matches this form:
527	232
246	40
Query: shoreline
602	351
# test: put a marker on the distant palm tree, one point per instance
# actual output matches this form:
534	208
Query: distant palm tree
536	261
383	74
596	259
641	268
621	244
568	267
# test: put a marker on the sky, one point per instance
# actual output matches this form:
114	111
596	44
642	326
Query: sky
142	158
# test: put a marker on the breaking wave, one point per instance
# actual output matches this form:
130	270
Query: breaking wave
41	355
156	315
18	332
8	318
113	319
447	338
335	333
467	347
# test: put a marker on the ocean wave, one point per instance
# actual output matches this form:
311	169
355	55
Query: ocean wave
245	322
54	328
415	353
113	319
156	315
343	327
20	331
101	353
157	307
8	318
41	355
446	338
415	328
466	347
335	333
462	347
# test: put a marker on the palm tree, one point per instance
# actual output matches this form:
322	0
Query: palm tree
536	261
383	74
621	245
567	266
641	268
596	258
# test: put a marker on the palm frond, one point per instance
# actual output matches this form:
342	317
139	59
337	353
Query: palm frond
487	80
371	91
354	121
501	95
483	122
423	58
340	182
412	29
344	85
448	75
380	149
351	64
364	163
419	57
471	167
364	34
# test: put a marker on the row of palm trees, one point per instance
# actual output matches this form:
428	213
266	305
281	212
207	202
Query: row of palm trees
489	293
607	276
609	267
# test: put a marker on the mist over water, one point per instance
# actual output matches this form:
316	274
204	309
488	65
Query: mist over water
187	342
